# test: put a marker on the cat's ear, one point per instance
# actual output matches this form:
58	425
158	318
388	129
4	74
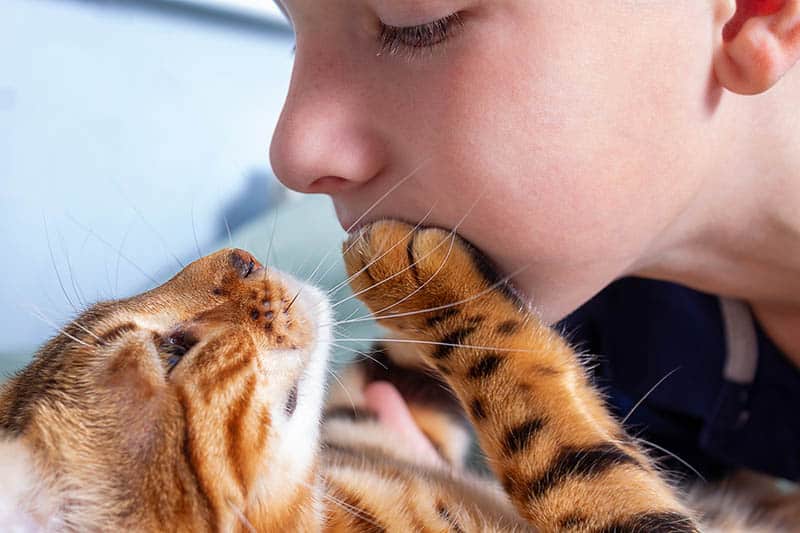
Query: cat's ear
133	390
760	43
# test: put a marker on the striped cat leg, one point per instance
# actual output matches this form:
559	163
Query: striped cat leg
563	460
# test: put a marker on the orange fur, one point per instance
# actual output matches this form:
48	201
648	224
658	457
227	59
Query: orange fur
196	407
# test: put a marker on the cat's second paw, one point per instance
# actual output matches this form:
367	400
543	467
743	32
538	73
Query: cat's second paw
411	278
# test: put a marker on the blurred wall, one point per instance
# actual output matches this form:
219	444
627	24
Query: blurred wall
127	131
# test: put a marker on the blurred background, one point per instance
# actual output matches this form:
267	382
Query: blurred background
134	138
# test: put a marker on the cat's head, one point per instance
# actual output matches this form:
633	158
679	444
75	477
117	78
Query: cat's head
196	403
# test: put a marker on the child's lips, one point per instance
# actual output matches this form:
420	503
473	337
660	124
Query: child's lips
352	225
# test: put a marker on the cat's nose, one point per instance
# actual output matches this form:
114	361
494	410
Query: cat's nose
244	263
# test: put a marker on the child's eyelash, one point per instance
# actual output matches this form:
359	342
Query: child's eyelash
395	39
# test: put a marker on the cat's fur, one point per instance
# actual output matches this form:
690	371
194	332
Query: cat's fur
197	406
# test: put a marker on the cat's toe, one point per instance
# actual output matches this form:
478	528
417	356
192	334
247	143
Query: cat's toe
411	276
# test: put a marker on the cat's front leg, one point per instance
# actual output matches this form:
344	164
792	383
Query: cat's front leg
563	460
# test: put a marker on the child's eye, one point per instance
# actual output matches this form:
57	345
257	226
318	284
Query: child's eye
395	39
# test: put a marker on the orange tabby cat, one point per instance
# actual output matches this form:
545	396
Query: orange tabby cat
196	407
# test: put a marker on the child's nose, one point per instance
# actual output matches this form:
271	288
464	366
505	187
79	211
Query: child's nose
324	141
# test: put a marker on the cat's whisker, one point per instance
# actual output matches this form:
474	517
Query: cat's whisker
242	518
426	282
58	329
108	244
387	193
453	233
107	270
77	324
344	389
375	204
227	230
648	393
484	292
119	256
147	223
310	278
673	455
398	273
435	343
376	259
361	353
271	238
290	267
296	296
90	332
444	261
339	333
351	315
78	295
55	267
359	513
81	253
194	231
301	266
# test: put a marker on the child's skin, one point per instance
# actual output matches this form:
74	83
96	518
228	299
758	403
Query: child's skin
604	139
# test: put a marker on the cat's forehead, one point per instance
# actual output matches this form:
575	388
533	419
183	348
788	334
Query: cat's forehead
224	275
229	287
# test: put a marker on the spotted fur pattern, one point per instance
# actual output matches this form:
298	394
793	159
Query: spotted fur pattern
563	461
198	406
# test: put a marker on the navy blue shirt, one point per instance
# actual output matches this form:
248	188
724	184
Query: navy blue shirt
730	398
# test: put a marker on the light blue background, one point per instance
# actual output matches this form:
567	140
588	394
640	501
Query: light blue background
123	125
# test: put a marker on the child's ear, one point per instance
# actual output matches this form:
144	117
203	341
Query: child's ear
759	45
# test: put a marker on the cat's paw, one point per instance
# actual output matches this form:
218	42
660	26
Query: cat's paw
412	278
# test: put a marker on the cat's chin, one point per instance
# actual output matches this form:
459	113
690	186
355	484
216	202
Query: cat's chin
299	438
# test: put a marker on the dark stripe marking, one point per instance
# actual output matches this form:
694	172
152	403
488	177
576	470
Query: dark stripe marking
192	459
412	264
451	341
438	318
116	332
365	270
663	522
477	410
234	440
264	424
519	437
363	520
509	327
447	517
223	378
579	462
475	320
489	273
485	367
572	521
353	414
444	369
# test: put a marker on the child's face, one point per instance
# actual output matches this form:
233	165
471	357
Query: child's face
580	126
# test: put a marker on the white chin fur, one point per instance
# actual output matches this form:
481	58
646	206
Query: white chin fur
300	435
